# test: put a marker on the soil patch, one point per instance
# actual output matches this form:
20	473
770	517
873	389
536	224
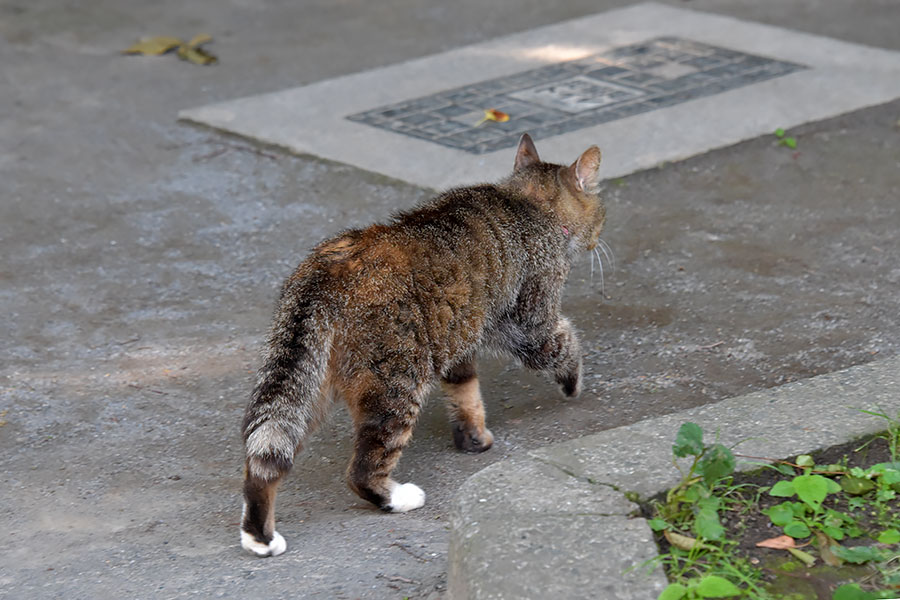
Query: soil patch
782	575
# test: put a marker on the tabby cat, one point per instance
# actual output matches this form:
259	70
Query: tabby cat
375	315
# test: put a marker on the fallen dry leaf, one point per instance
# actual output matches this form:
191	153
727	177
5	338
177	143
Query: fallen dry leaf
198	56
190	51
684	542
492	114
782	542
807	558
199	40
154	46
786	542
825	542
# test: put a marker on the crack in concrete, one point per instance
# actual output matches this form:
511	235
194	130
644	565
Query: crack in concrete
630	495
571	473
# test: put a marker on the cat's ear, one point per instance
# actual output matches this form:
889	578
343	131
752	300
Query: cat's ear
587	170
527	154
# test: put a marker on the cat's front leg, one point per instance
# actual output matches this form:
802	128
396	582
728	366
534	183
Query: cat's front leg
466	407
554	349
567	350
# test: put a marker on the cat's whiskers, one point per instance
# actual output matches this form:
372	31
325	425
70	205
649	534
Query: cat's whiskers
592	269
608	253
600	262
602	246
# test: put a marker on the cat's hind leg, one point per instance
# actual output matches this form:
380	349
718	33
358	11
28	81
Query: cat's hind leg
384	425
466	408
258	533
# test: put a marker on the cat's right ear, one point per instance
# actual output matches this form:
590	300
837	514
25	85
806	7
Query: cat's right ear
527	154
587	170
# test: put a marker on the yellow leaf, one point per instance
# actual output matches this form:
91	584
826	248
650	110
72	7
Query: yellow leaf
492	114
154	46
198	56
807	558
684	542
199	40
825	543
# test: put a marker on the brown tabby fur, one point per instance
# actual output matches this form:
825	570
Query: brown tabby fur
374	316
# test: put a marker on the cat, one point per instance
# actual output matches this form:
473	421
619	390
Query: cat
375	316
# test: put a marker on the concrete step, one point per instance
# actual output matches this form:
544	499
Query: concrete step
556	523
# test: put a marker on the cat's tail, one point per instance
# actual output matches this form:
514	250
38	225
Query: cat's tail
287	402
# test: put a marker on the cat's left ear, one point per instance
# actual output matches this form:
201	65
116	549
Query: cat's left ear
527	154
587	170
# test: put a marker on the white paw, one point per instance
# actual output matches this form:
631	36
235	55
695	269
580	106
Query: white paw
406	497
273	548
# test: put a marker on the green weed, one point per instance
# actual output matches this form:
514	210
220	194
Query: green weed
824	507
784	140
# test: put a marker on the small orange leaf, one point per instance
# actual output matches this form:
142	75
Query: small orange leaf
782	542
492	114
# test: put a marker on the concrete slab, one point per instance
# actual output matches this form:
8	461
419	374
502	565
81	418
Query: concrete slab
545	508
582	554
556	557
655	83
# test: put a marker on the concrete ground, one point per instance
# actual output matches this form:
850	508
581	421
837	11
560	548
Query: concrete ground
142	258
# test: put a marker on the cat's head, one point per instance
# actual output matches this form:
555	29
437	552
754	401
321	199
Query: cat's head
572	192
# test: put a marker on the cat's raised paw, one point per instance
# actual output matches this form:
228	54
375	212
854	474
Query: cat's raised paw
571	386
571	382
406	497
468	439
273	548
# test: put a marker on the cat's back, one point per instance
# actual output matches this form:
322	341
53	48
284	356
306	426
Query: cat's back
468	244
472	233
437	274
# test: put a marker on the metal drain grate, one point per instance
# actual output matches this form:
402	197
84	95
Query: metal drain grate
567	96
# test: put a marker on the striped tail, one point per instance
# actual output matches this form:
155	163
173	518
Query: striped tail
286	402
285	406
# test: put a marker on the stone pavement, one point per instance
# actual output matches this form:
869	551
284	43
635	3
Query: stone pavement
142	255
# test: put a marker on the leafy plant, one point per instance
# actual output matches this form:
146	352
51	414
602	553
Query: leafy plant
710	586
784	140
891	434
852	591
704	569
694	494
799	519
861	488
823	504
